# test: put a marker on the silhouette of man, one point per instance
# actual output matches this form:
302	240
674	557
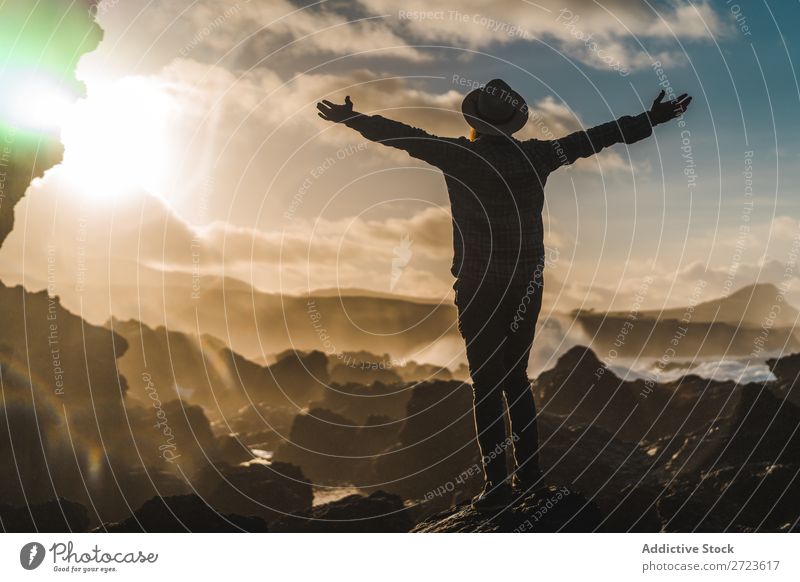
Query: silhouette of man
496	189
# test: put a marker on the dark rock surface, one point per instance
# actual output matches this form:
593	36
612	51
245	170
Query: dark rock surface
753	497
265	491
787	372
379	512
585	389
57	516
617	475
183	513
551	509
762	428
434	448
328	447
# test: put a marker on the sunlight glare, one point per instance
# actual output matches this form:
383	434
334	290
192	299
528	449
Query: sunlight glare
34	102
117	139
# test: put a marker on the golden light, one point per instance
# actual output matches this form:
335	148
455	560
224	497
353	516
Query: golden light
117	139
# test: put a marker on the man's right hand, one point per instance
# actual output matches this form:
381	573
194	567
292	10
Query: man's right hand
333	112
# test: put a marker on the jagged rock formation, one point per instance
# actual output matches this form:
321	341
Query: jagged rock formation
761	429
552	509
206	372
582	387
787	372
50	37
63	411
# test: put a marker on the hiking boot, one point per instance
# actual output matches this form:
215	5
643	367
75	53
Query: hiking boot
493	497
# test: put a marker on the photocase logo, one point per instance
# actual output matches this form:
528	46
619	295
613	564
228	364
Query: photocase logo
31	555
402	256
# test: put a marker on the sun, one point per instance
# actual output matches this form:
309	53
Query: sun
117	140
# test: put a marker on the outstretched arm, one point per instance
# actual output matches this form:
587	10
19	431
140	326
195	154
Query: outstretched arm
627	129
416	142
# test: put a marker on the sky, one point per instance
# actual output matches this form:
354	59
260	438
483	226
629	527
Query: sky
198	149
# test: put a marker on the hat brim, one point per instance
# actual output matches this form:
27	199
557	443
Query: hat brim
469	108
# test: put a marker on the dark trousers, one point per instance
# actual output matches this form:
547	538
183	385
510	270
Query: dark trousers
498	324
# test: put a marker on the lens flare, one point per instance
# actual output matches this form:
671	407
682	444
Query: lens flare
34	102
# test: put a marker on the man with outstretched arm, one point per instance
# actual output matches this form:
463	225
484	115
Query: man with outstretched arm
496	189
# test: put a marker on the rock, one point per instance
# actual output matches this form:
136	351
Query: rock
583	388
329	448
633	509
358	401
552	509
57	516
126	490
760	429
182	513
265	491
379	513
435	448
602	467
786	371
260	425
364	372
71	31
753	497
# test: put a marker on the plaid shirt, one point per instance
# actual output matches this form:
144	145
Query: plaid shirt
496	187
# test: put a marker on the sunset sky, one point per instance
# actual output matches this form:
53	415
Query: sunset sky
198	148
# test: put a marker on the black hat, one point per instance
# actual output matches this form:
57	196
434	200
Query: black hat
495	109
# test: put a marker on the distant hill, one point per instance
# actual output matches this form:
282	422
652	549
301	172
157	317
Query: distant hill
204	371
750	305
258	325
357	292
729	326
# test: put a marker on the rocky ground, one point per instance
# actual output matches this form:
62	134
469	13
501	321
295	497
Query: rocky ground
688	455
551	509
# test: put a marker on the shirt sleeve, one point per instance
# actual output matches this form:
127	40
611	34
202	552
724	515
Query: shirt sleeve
435	150
583	144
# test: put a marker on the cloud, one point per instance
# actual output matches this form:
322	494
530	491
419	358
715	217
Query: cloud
253	130
112	249
280	35
116	247
244	139
142	37
617	28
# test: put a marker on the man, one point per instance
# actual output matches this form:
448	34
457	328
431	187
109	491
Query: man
496	189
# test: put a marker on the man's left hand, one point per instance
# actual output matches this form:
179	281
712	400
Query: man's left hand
662	111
